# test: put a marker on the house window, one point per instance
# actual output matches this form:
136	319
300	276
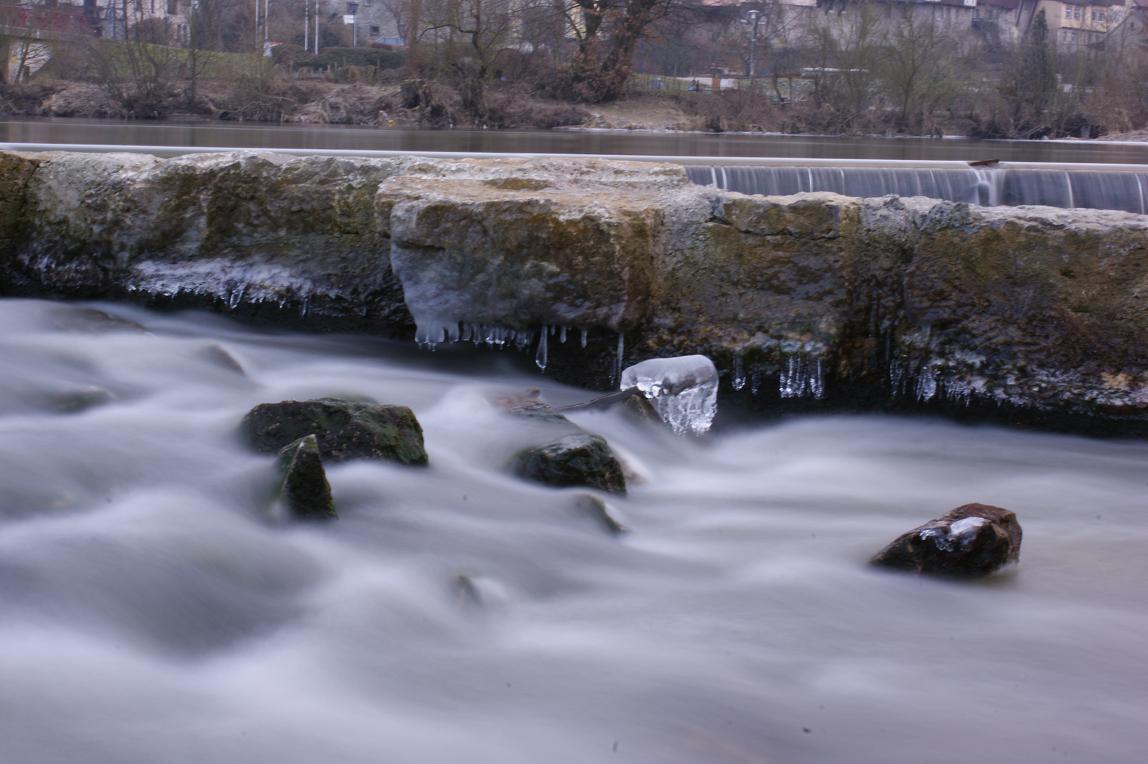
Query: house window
1097	16
1068	11
352	9
172	7
374	31
1076	14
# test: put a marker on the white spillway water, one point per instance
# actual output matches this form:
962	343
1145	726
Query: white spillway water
1098	189
148	615
683	390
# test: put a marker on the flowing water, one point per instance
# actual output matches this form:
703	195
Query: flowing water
209	135
148	612
1125	190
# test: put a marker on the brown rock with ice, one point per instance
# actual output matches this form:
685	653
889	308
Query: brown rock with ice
967	542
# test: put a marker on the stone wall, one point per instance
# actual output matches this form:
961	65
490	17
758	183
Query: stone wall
1036	314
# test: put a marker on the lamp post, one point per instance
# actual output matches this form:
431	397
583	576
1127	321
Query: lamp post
753	17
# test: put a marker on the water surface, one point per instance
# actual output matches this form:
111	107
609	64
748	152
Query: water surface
217	135
148	612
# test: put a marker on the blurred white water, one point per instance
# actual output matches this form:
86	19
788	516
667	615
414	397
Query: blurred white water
148	614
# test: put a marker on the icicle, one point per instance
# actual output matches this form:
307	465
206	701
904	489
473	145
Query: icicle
236	297
585	336
787	379
738	380
926	387
540	357
817	381
432	332
800	378
562	335
618	364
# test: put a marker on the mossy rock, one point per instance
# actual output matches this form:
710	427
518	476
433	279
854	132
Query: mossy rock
581	459
343	429
304	488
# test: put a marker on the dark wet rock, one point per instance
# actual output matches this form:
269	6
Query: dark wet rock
91	320
970	541
263	236
79	399
465	592
219	356
304	489
529	405
600	512
637	408
16	172
344	429
580	459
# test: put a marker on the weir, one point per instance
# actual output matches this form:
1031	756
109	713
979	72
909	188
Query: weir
1066	185
987	186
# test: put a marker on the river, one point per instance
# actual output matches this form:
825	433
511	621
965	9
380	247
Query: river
148	613
209	135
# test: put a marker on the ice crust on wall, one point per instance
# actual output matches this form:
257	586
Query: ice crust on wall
682	390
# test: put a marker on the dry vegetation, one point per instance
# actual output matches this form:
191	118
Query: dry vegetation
473	63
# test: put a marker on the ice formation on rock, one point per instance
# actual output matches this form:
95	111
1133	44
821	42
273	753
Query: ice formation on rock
682	390
801	378
431	332
959	535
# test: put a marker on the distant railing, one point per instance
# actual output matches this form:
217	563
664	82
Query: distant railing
788	87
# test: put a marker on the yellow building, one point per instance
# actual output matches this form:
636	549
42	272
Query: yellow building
1075	23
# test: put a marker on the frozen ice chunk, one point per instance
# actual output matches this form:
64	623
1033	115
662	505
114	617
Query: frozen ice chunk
682	390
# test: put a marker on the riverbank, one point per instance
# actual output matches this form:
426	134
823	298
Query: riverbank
384	106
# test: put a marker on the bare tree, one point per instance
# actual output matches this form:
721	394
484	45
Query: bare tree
607	33
469	34
847	54
141	72
918	69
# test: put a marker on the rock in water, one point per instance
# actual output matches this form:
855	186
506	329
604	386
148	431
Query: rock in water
580	459
600	512
530	405
344	429
682	390
969	541
305	489
638	409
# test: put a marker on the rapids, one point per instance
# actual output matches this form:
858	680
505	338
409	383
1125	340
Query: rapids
149	614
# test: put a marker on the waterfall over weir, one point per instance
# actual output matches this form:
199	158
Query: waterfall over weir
1126	191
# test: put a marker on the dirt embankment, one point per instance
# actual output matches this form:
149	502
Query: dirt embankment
285	100
378	105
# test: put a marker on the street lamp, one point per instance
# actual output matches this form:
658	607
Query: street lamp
753	17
